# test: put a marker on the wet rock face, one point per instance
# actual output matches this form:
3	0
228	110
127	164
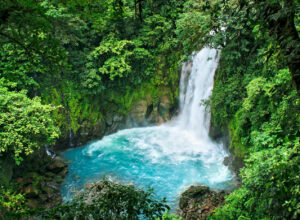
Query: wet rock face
138	112
143	112
113	122
233	162
41	186
86	132
198	202
148	110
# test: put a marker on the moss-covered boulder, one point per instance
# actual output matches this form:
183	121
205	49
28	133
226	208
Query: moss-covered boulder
198	202
39	180
57	165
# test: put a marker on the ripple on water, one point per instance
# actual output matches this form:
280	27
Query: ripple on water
160	157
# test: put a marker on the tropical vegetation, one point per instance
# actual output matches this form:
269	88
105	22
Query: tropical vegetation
65	62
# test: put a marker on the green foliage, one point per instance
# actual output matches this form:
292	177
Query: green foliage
270	187
194	25
226	98
88	57
78	108
26	124
270	118
116	62
256	97
115	59
168	216
16	69
11	201
265	128
28	48
110	200
92	58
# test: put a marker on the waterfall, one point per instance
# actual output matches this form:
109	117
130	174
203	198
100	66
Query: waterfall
168	157
196	84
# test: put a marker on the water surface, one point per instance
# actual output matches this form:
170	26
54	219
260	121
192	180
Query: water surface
169	157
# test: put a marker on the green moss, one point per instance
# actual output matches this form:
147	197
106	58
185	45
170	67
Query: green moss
78	107
74	107
239	148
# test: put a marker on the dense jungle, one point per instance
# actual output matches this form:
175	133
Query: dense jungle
76	71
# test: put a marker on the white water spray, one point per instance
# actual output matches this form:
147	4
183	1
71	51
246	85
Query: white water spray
186	137
196	85
168	157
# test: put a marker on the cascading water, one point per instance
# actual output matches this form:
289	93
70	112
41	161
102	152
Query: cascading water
193	114
169	157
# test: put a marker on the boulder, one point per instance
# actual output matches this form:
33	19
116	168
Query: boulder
50	174
57	165
198	202
193	192
64	172
49	190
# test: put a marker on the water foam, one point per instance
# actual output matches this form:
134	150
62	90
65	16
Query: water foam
169	157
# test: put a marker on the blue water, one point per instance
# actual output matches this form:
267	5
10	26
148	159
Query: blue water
169	157
165	158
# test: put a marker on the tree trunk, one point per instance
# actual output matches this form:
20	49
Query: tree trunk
140	10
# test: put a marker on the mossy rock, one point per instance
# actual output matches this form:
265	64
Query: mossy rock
57	165
191	193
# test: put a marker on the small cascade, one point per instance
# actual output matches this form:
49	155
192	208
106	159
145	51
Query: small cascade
49	153
71	143
71	138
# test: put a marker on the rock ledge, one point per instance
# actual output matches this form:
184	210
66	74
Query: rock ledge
198	202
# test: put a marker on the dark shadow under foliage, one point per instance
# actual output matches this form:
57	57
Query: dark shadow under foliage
109	200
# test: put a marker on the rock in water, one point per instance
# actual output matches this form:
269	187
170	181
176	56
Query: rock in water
198	202
57	165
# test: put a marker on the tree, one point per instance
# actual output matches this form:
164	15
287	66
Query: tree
30	45
25	124
233	21
278	18
109	200
270	187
